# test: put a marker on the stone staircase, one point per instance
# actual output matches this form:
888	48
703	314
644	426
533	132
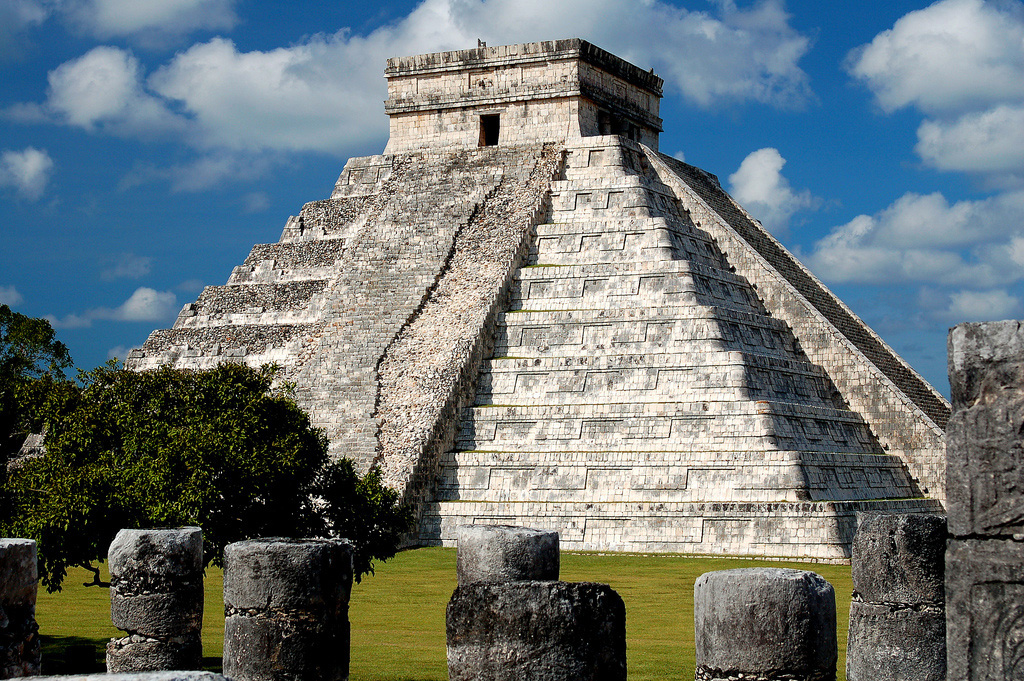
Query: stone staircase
641	397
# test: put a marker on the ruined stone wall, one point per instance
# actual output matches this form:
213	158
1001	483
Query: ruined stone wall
904	412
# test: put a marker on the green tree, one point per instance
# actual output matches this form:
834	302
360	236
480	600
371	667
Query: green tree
32	364
223	449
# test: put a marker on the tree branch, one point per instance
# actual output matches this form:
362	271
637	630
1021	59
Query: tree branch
96	581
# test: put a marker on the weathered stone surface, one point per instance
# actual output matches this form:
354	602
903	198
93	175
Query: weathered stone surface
896	644
286	608
19	633
144	676
985	467
765	623
985	609
501	553
899	558
156	595
142	654
549	330
543	631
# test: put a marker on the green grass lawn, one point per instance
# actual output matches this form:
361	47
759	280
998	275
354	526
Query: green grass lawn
398	614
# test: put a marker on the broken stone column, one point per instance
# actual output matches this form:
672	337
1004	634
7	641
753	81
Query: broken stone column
764	624
985	505
286	609
502	553
19	633
898	612
543	631
156	596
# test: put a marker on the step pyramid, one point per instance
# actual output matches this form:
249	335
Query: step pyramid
522	313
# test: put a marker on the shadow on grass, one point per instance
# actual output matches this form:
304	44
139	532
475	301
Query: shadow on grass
73	654
80	655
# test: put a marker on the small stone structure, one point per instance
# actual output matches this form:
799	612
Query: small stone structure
19	633
764	624
500	553
156	595
898	613
985	555
543	631
509	619
286	609
524	314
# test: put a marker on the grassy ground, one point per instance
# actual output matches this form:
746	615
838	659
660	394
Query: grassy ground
398	614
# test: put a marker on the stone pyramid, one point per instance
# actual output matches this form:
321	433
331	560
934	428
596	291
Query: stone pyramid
522	313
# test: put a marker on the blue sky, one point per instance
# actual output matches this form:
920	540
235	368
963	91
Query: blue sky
146	145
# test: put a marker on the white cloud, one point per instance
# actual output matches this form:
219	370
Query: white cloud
150	21
191	286
758	185
120	351
255	202
969	306
10	296
923	238
144	305
127	266
955	55
16	17
27	171
987	141
961	62
324	94
102	89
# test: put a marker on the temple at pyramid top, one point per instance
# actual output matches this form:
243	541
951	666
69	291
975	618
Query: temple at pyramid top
533	92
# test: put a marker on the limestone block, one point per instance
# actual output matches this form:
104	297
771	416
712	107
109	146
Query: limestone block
896	644
143	654
985	609
286	608
764	623
19	633
156	583
501	553
985	452
899	558
543	631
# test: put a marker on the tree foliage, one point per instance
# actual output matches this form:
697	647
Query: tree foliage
223	449
32	364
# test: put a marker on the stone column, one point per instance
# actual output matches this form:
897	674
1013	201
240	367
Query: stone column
985	505
764	624
156	596
542	631
19	633
286	604
898	612
501	553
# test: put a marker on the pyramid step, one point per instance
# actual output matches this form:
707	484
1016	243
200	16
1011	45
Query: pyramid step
688	328
821	530
603	241
289	261
682	477
205	348
702	426
651	378
643	284
277	303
